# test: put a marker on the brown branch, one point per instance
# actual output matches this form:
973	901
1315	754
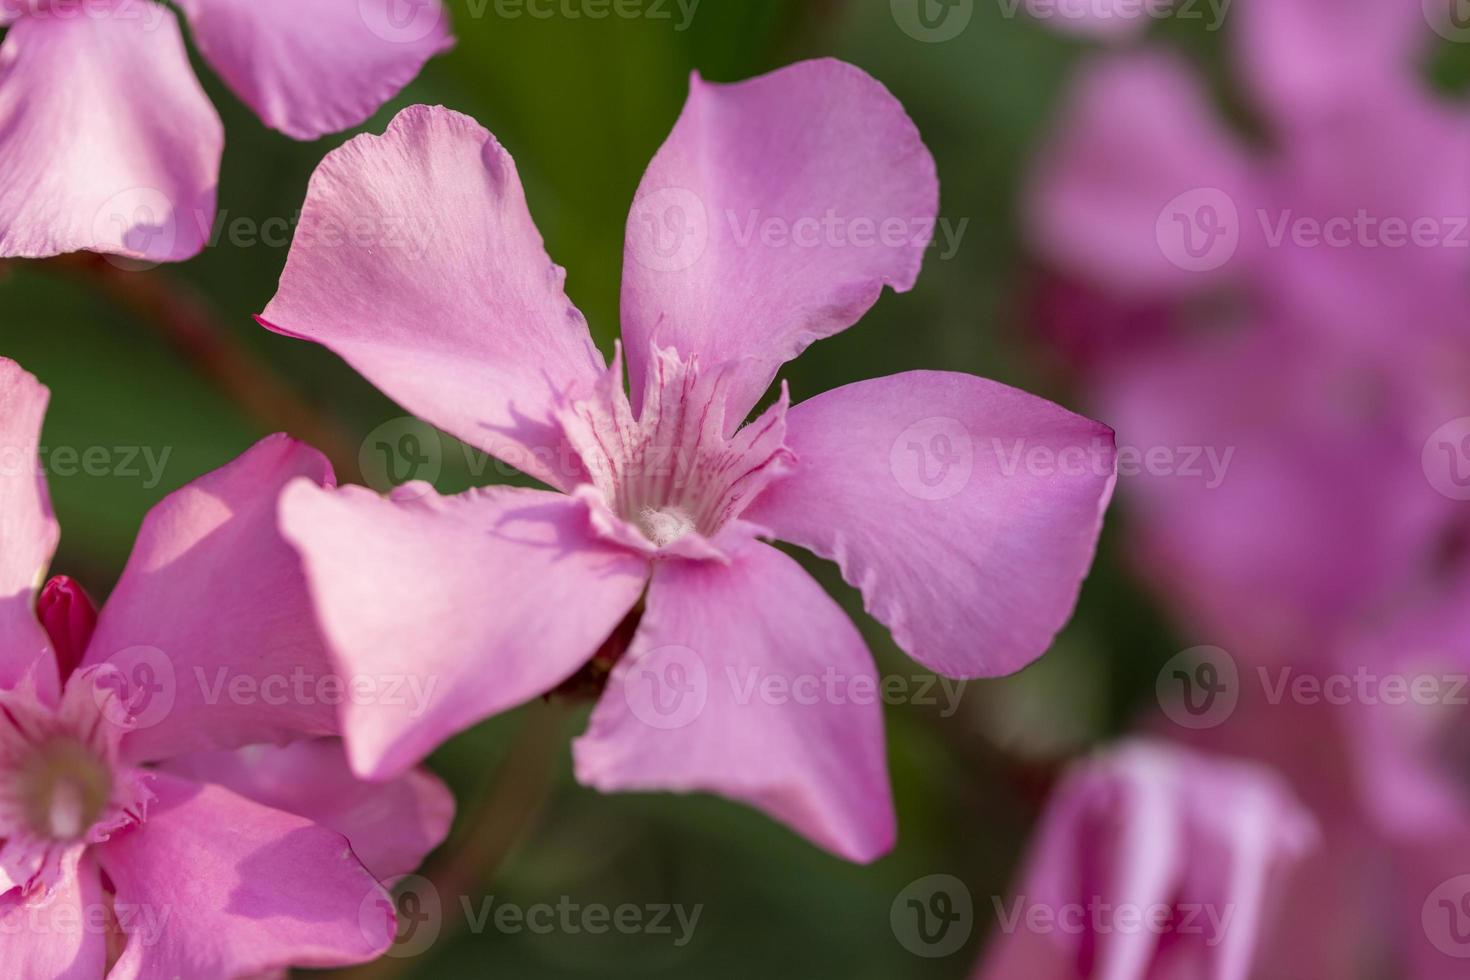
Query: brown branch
185	321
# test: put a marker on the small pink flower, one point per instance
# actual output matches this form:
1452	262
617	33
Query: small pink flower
109	142
966	512
143	834
1153	861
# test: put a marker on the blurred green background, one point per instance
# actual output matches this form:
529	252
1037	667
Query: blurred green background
583	104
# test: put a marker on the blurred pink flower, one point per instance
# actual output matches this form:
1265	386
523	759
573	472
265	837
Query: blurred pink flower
1316	287
133	806
1153	861
1386	893
773	216
110	144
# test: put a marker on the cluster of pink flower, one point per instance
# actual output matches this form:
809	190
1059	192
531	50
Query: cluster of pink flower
269	826
1297	303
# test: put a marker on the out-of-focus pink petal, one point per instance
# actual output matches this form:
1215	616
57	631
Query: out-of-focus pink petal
1304	59
109	143
1141	188
59	937
460	607
1369	229
966	511
392	826
312	73
1255	515
237	888
1145	829
1405	717
69	617
28	530
772	217
417	262
747	680
211	620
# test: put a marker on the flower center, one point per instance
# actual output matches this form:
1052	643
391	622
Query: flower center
62	789
674	472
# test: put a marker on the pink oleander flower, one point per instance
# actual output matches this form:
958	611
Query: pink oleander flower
772	217
109	142
1153	861
146	830
1313	289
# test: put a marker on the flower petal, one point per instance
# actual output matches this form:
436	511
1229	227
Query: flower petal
1304	59
689	707
63	936
773	216
1145	828
27	527
391	826
109	143
1141	187
245	889
466	605
967	512
214	605
417	262
312	74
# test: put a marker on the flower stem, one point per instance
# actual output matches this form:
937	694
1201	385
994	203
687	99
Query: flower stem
185	321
